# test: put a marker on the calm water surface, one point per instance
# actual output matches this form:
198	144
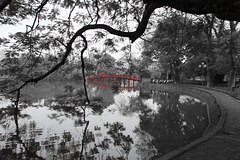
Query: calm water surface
122	125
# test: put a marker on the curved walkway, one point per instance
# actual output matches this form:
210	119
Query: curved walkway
225	145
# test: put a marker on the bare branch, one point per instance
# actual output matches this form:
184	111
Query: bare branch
145	40
69	17
88	11
39	56
61	42
83	68
98	16
126	6
39	9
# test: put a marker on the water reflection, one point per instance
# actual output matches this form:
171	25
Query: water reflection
177	121
125	125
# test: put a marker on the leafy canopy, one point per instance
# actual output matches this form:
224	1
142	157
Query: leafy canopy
59	26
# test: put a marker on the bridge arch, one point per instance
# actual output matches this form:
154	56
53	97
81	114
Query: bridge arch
124	82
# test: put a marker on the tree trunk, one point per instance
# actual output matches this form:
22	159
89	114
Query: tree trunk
176	75
209	77
167	75
232	79
232	53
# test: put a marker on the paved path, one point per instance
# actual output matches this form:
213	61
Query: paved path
225	145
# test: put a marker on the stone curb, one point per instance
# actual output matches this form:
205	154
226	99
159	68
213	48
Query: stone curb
212	131
213	89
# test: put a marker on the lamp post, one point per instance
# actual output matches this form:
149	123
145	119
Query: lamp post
202	66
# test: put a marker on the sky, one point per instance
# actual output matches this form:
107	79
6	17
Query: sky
136	46
6	30
136	49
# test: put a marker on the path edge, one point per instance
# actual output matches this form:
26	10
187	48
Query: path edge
213	130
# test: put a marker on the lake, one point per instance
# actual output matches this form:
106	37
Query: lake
117	124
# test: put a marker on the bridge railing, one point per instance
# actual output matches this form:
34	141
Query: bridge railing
135	78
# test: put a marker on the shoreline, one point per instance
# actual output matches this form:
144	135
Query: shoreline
216	111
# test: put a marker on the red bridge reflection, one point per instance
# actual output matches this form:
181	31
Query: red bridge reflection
105	81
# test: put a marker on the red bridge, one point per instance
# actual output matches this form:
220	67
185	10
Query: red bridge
105	81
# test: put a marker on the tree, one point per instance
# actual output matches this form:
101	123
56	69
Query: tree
229	43
206	57
146	61
118	11
209	42
59	36
106	65
219	48
169	44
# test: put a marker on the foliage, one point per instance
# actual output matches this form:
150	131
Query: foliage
169	44
201	46
54	33
57	36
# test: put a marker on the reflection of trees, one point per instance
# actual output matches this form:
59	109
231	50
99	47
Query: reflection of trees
123	103
115	131
115	88
128	103
162	98
105	94
29	146
8	112
97	106
145	94
166	124
97	146
159	131
195	115
64	146
144	145
175	124
27	135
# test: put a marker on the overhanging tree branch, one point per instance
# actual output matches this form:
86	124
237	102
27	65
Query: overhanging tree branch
83	67
224	9
38	11
69	18
97	12
89	14
131	35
